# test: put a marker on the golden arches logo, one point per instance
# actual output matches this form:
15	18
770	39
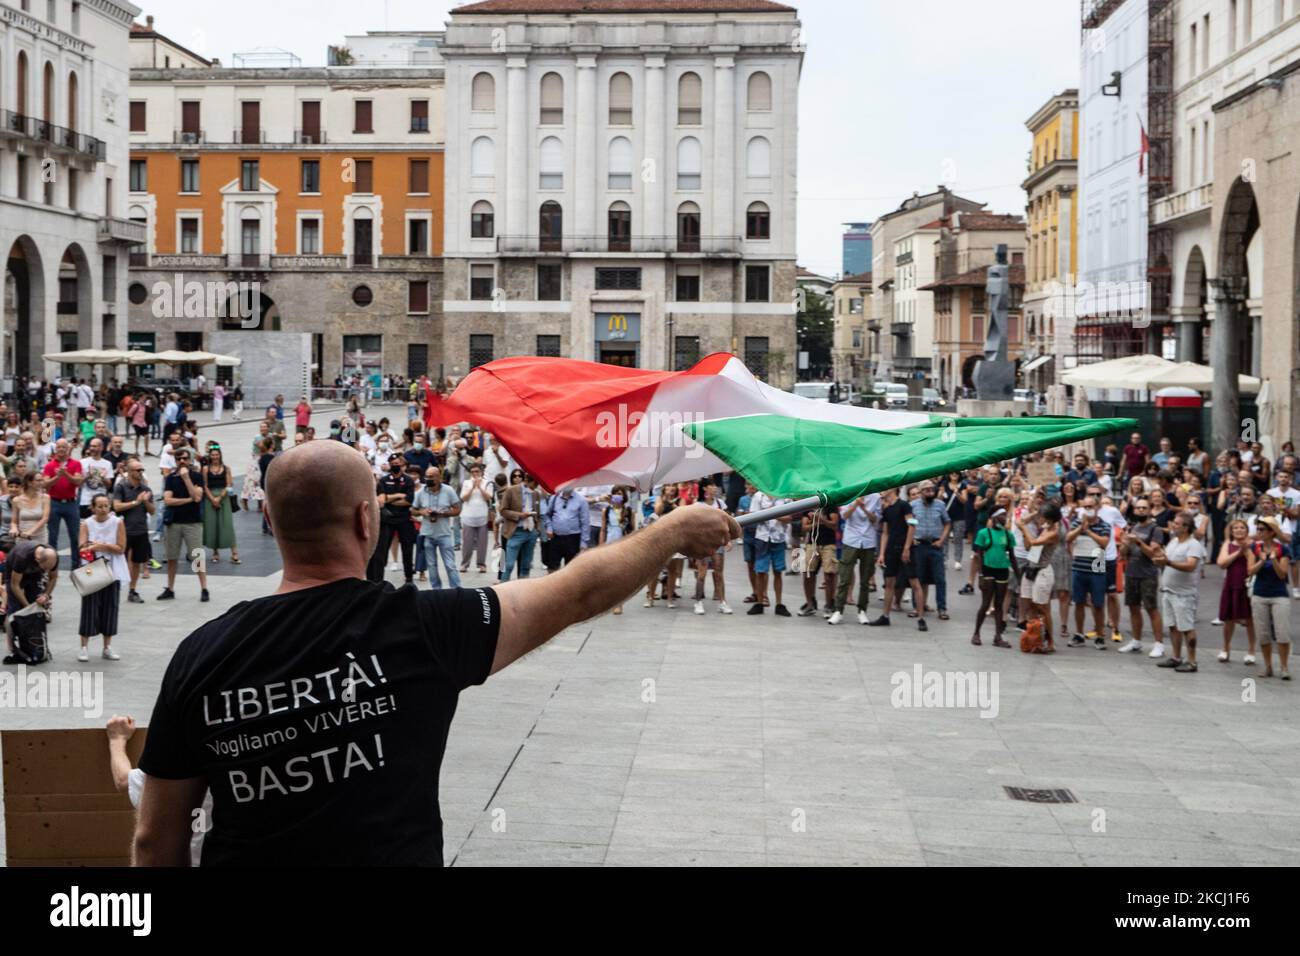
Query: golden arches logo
618	323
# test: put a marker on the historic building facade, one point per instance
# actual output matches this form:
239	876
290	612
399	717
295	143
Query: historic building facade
621	185
63	179
314	195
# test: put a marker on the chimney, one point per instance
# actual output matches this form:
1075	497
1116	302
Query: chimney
148	21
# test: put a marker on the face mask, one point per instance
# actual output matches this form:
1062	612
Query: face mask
419	446
395	469
615	499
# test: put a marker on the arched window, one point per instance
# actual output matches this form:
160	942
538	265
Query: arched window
483	93
688	227
758	221
620	163
758	158
551	165
550	227
689	97
620	227
47	102
552	100
620	100
760	93
22	83
689	164
72	101
481	220
482	157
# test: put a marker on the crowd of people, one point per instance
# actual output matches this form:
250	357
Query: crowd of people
1133	528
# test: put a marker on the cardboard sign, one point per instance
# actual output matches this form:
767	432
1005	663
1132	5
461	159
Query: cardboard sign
1041	473
61	808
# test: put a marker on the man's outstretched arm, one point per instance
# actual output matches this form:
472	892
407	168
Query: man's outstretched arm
535	610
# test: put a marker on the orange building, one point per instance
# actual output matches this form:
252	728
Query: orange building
961	318
321	185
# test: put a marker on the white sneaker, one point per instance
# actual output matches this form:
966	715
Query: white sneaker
699	607
1223	657
1248	659
835	618
1295	592
394	566
1131	647
1158	650
956	565
111	655
671	604
83	656
1216	623
724	608
862	617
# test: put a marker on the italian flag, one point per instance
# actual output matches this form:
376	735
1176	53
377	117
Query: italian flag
575	424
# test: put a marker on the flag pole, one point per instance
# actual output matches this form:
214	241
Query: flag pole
780	511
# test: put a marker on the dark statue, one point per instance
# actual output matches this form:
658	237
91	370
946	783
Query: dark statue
995	376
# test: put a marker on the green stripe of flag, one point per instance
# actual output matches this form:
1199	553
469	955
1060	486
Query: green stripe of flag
796	458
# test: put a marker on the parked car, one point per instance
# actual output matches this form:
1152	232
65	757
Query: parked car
826	391
1023	395
895	394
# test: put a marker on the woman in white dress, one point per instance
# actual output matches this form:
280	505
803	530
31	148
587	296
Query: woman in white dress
103	534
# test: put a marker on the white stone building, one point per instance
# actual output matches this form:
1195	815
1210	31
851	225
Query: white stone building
63	178
620	186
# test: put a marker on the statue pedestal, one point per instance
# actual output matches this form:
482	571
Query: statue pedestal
983	408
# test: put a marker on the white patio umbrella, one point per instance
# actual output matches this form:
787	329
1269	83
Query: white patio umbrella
1199	377
1131	372
85	357
1264	407
228	360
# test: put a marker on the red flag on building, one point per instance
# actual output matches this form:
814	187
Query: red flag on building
1143	149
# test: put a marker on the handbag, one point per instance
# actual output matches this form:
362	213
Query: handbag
92	577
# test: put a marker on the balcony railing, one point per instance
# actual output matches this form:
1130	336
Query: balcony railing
309	137
637	245
192	137
137	259
1197	199
249	136
113	229
13	123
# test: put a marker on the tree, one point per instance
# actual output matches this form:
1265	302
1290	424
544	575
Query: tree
815	330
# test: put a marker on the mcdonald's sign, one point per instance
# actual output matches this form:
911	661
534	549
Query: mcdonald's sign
618	327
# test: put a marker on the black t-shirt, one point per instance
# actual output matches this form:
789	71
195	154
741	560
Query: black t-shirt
186	513
304	767
394	485
895	518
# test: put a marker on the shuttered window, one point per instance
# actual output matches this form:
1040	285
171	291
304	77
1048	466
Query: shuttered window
760	93
364	122
419	116
365	177
483	93
137	112
417	297
419	176
620	100
689	98
552	113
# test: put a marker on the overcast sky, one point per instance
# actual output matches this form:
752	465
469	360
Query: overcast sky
896	96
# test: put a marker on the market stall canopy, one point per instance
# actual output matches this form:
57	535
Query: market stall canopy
174	357
1131	371
1199	377
229	360
87	357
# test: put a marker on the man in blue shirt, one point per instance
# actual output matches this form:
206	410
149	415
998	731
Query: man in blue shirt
1081	471
566	519
435	505
932	528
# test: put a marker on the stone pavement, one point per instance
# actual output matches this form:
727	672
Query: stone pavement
662	737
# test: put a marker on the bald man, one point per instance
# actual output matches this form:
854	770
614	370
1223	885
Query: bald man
318	715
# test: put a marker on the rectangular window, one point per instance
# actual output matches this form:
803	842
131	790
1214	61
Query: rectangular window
417	236
417	297
618	278
482	280
189	175
365	177
686	351
139	176
363	122
756	351
189	236
758	284
419	116
549	282
417	360
250	176
758	224
72	189
310	132
687	286
480	350
190	125
137	116
310	176
419	176
22	182
250	122
481	224
548	346
311	237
